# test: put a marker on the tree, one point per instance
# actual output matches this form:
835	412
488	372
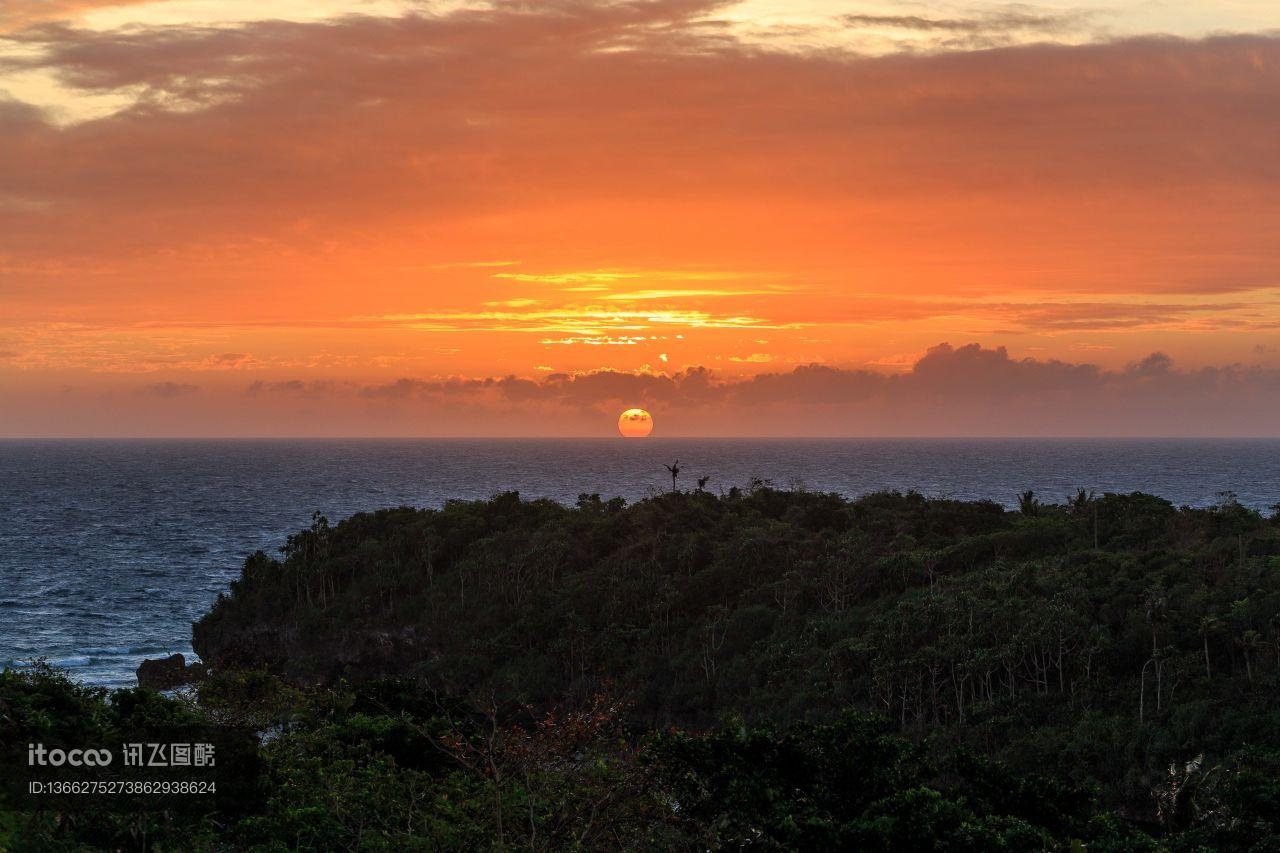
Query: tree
1249	642
674	468
1081	502
1208	625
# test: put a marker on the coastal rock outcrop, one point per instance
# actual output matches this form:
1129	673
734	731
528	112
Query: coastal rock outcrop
168	673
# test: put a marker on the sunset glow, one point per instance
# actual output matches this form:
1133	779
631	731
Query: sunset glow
635	423
768	218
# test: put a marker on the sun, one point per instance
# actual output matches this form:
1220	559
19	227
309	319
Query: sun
635	423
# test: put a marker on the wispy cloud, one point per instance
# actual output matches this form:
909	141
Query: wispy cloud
587	321
990	20
168	390
461	265
519	302
18	14
677	293
614	276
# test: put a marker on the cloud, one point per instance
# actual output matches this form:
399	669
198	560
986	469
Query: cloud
227	361
364	123
18	14
263	183
613	276
951	390
521	302
676	293
168	390
588	390
961	374
985	26
973	369
968	389
1121	315
916	22
588	322
295	388
1156	364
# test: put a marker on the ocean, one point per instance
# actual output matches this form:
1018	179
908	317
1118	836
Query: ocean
110	549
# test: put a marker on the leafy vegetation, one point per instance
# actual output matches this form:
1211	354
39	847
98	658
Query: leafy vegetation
388	765
764	668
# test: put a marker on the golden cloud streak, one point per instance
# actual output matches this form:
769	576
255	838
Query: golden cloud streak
611	276
587	322
643	295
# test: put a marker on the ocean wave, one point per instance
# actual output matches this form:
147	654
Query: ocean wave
66	663
116	651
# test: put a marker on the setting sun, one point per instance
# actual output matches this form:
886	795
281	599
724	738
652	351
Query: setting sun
635	423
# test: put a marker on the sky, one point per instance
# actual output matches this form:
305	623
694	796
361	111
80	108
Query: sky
387	217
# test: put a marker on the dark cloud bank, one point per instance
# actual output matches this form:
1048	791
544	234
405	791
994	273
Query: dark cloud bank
965	390
248	129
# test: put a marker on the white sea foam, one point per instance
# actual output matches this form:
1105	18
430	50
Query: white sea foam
67	663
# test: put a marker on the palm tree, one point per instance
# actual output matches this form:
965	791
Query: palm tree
1208	625
702	482
1156	603
1081	502
1028	504
674	468
1250	641
1142	688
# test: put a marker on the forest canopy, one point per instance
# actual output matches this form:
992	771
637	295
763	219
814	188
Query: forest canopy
763	667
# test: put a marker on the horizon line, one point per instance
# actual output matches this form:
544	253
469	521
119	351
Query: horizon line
648	439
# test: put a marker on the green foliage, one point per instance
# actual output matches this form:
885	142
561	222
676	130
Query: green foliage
799	671
43	705
389	766
1111	635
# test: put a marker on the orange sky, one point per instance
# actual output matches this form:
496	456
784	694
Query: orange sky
520	219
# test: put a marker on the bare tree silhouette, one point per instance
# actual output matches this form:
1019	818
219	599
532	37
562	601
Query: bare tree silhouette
674	468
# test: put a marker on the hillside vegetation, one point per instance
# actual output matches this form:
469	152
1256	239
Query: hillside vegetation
764	668
779	604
